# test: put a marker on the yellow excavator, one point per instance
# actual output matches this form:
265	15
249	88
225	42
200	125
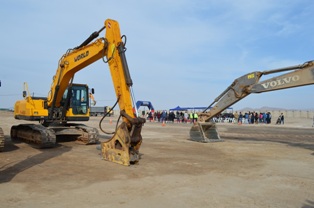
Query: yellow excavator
300	75
69	102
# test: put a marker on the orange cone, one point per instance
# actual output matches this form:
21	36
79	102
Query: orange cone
163	123
110	121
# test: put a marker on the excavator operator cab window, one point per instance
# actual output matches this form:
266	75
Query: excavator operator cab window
79	100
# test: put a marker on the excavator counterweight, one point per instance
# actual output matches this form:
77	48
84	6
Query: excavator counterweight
300	75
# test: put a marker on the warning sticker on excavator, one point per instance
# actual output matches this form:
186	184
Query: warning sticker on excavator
251	76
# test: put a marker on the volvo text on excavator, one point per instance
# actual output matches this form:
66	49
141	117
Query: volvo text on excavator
69	102
300	75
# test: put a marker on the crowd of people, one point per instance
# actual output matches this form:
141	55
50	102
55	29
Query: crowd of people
191	117
248	118
178	116
253	118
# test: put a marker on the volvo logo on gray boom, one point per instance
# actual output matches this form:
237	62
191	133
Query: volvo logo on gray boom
282	81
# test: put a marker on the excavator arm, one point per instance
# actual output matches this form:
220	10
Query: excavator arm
123	147
299	75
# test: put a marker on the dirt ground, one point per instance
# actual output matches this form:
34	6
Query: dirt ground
256	166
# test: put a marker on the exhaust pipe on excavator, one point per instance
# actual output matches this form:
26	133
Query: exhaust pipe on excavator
204	132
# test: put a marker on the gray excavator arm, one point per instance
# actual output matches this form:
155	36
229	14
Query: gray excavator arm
300	75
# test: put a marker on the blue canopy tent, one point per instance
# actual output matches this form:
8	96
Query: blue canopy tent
178	108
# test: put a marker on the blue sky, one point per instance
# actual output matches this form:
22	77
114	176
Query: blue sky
179	52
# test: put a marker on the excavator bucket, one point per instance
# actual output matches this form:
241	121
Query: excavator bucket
123	148
204	132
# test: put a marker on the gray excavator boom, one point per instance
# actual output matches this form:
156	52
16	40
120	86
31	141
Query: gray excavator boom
205	130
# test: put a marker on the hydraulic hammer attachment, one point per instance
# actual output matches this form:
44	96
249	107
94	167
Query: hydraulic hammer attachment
123	147
204	132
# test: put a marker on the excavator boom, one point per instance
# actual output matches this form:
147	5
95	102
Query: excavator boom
123	147
205	130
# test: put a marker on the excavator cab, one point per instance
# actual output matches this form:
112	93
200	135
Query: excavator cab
79	102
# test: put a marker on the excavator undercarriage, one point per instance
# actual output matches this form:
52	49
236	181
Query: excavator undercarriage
46	137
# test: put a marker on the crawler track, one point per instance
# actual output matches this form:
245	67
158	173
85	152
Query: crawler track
1	140
35	134
46	137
